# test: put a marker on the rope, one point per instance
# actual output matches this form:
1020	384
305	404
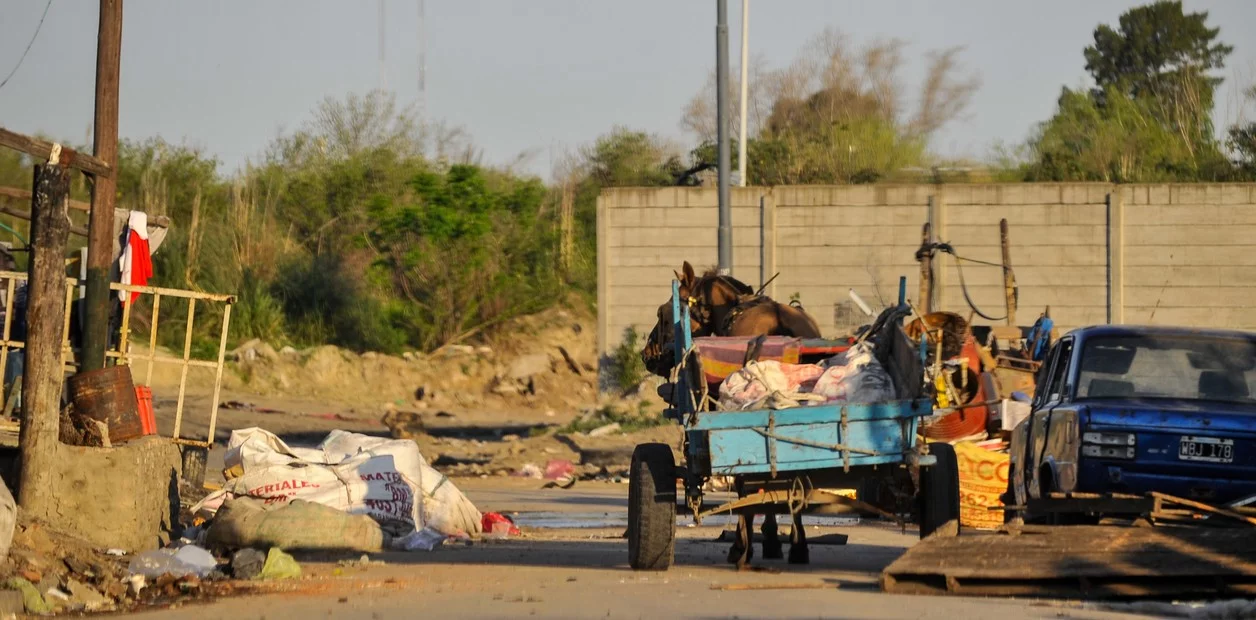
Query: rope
963	286
946	248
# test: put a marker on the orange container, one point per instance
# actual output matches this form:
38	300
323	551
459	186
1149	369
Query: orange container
144	398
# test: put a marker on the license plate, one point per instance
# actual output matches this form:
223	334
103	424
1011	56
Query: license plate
1207	449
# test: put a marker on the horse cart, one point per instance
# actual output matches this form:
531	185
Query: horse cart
792	460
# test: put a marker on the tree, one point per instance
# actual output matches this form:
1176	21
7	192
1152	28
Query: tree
1242	141
839	114
627	158
1149	116
1166	56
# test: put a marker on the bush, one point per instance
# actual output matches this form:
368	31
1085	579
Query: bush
627	371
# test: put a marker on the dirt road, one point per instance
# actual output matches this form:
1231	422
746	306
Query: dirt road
582	573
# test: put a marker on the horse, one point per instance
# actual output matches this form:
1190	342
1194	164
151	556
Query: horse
720	305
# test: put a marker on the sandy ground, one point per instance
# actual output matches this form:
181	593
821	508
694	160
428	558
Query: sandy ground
583	573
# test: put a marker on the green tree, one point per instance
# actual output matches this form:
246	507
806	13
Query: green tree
1149	117
1154	47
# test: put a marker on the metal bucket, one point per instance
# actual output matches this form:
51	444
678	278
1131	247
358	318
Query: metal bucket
108	395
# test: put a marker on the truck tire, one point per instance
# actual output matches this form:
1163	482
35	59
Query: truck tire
939	493
652	508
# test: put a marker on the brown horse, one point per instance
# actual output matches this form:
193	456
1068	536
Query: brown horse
723	306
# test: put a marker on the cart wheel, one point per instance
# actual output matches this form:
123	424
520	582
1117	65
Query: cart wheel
652	507
939	493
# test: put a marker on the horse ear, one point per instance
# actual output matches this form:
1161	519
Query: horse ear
689	275
679	278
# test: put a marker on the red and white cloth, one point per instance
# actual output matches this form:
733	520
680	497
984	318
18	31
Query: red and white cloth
136	263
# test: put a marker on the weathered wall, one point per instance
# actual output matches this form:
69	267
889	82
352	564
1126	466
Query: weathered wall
1094	253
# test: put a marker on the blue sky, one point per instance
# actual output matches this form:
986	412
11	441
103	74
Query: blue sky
539	75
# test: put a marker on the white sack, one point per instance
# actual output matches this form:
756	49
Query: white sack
386	479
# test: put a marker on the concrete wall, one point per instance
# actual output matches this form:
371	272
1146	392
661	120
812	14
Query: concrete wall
1094	253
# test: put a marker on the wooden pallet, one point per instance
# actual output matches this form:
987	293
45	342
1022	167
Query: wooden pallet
1081	562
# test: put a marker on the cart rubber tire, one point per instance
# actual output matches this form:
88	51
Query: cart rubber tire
652	508
939	493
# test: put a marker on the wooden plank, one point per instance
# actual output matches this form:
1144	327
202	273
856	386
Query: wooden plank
41	150
25	196
1044	557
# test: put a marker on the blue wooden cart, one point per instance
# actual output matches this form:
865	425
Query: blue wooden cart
790	461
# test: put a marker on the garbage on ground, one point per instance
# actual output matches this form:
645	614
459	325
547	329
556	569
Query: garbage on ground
385	479
247	563
530	470
298	524
31	598
8	519
422	540
363	562
497	525
188	560
559	468
280	565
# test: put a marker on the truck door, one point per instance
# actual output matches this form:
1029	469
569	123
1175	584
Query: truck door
1047	395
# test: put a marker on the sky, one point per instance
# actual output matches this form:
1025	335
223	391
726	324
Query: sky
528	76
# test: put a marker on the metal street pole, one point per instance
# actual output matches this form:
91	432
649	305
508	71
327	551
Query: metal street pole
745	81
721	102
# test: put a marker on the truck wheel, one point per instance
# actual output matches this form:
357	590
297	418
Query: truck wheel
652	508
939	493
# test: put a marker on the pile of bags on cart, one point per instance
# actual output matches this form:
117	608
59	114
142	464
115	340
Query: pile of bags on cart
853	376
882	366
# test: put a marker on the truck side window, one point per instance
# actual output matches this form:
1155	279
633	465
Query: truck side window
1055	386
1040	378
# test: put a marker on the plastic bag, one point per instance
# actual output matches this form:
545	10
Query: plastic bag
768	384
188	560
854	377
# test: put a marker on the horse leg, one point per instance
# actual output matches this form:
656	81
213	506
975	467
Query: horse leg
798	551
742	551
771	538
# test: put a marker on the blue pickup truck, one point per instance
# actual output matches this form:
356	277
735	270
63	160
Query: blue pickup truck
1132	410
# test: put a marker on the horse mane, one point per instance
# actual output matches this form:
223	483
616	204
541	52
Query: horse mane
742	288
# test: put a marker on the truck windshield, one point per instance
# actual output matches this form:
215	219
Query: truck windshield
1212	368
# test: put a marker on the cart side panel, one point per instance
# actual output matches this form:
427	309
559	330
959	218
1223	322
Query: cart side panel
747	442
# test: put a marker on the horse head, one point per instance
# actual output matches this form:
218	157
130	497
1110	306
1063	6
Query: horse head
708	297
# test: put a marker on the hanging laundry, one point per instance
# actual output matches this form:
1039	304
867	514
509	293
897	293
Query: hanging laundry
136	263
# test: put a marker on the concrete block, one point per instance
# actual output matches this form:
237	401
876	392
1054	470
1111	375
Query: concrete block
1233	195
1160	194
1097	193
125	497
853	195
1184	234
1187	194
699	196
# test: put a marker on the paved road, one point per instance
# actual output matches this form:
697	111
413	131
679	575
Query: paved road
582	573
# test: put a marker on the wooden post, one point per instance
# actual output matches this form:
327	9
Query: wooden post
926	270
45	316
1009	280
100	226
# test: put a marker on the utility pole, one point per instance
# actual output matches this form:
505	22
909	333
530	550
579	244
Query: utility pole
104	190
422	63
45	311
383	83
721	103
745	81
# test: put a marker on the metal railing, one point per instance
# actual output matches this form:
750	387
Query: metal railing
121	352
